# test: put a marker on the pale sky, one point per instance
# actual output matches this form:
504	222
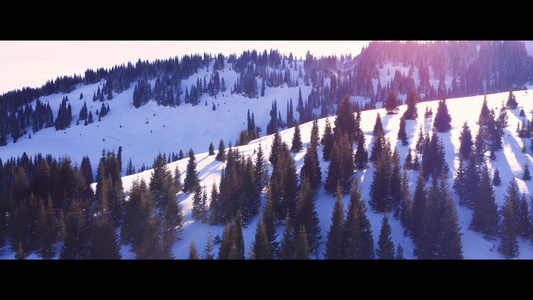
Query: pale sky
32	63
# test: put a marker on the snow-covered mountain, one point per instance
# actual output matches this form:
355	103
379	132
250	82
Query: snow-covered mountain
144	132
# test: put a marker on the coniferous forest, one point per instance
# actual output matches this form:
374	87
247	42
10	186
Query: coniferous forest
56	208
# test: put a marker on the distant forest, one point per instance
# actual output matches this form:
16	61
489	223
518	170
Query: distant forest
476	67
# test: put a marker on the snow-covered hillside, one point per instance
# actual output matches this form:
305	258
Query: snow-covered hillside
150	129
144	132
509	161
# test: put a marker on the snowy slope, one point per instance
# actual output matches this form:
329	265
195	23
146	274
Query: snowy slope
150	129
509	161
171	129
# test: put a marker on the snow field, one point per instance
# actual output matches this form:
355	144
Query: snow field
171	129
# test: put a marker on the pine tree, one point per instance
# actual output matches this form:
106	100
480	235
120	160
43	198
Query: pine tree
485	218
287	242
361	154
193	254
162	184
417	208
442	118
465	140
327	141
334	243
449	240
391	105
260	169
341	166
526	175
311	165
345	121
104	241
221	155
47	230
378	127
211	149
284	184
357	230
261	245
411	101
402	135
385	248
508	232
307	216
484	112
301	247
511	100
208	250
380	195
296	139
269	221
138	212
191	175
74	240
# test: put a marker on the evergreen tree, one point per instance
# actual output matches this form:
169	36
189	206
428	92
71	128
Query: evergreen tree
496	180
272	126
74	239
385	248
378	126
341	166
511	100
327	141
287	242
449	241
526	175
466	183
191	175
284	184
193	254
221	155
465	140
208	250
402	135
508	232
211	149
104	241
177	179
269	221
47	230
311	165
261	245
485	218
260	169
484	112
334	243
480	146
301	247
361	154
345	121
199	205
307	216
417	208
442	118
162	184
138	213
357	230
411	101
391	105
296	139
380	196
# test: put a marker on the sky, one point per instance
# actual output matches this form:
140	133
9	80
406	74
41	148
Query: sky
32	63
